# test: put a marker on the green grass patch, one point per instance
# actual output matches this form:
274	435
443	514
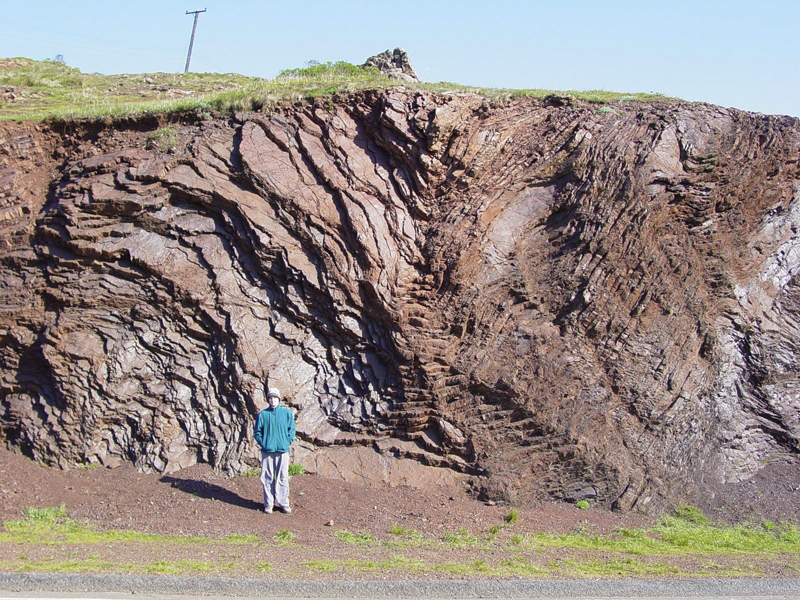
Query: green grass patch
88	565
96	565
52	526
163	140
284	536
353	538
687	532
178	567
408	535
515	567
638	544
691	536
401	531
321	566
460	539
475	567
512	516
264	567
614	567
404	537
518	566
296	469
45	515
396	563
691	514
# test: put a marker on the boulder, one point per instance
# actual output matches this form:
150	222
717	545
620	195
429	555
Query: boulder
395	64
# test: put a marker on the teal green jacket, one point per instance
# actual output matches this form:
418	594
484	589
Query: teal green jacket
274	430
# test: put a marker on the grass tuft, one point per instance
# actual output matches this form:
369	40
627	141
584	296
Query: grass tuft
512	516
692	514
163	140
45	515
284	536
460	538
353	538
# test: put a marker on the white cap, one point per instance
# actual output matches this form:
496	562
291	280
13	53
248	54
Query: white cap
274	392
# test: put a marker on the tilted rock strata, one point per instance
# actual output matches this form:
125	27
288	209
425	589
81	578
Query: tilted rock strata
552	300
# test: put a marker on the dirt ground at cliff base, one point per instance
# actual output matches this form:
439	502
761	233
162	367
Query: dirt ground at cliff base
198	502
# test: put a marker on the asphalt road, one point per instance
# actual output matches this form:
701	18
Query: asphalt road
117	587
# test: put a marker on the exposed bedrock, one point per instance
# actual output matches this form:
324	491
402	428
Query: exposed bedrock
547	300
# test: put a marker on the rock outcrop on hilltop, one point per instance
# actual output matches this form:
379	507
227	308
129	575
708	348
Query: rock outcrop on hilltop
540	297
394	64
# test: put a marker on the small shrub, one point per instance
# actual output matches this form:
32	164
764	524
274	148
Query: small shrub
315	69
512	516
582	504
296	469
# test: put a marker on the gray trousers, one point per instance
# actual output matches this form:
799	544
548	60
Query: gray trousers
275	478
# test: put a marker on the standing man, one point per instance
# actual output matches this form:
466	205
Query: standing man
274	432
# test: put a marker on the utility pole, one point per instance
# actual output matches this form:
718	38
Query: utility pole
196	14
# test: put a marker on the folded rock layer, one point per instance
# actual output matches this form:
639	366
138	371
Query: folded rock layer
539	297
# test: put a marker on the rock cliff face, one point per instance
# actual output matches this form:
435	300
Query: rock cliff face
543	298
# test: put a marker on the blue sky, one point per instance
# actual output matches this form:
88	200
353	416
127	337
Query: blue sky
727	52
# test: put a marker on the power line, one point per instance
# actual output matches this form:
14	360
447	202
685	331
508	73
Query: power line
196	14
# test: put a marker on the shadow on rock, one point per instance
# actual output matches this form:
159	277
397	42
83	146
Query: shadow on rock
203	489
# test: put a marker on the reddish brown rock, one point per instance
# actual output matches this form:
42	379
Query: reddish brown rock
540	297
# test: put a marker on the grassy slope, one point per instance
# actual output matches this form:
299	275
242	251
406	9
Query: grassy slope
31	90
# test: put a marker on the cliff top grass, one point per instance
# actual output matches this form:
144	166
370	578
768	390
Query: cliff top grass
37	90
